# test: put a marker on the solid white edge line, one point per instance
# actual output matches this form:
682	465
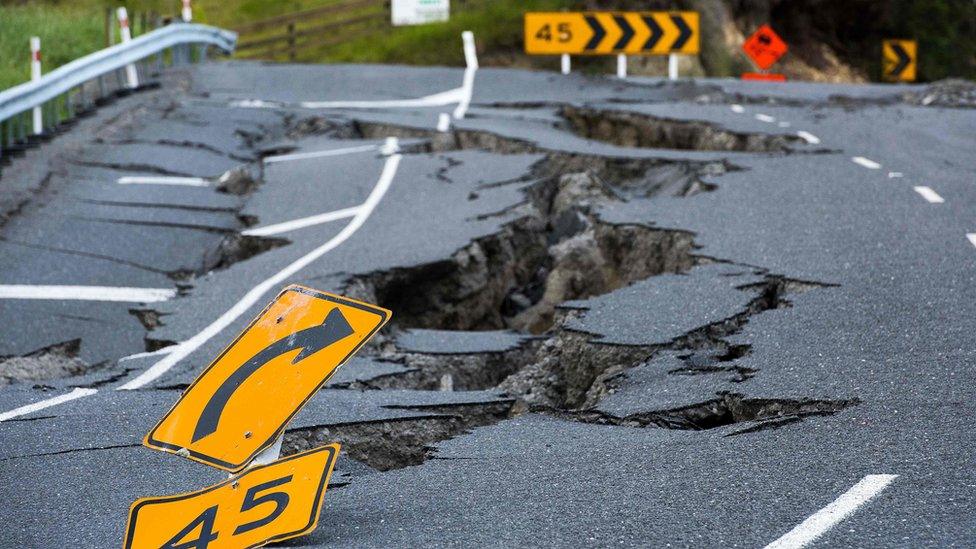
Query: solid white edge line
929	194
286	226
471	67
972	238
839	509
318	154
183	349
737	108
434	100
808	137
78	392
765	118
86	293
866	162
163	180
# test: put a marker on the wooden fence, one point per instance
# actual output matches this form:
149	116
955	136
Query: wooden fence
301	35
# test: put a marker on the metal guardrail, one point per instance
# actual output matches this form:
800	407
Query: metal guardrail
16	103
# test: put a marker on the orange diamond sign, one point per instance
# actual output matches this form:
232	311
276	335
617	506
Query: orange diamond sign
765	47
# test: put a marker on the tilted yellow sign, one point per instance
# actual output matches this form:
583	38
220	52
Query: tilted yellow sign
267	503
601	33
240	404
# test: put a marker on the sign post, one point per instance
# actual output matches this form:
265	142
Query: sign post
612	33
187	12
899	60
764	47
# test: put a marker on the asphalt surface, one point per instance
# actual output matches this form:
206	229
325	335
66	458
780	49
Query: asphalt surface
814	279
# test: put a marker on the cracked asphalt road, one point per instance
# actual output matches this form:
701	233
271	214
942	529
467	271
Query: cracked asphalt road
671	320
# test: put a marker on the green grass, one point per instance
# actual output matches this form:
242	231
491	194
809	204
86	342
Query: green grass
66	34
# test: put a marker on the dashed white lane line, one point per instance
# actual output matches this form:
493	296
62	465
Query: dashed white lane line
972	238
737	108
808	137
783	124
893	175
318	154
309	221
183	349
86	293
866	162
31	408
930	195
443	122
765	118
828	517
163	180
471	67
440	99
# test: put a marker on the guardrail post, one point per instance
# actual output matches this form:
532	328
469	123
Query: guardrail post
126	33
35	45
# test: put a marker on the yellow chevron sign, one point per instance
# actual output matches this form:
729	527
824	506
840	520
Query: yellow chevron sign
601	33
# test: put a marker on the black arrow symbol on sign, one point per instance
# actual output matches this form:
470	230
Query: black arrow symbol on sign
334	328
903	59
684	32
656	32
598	32
626	28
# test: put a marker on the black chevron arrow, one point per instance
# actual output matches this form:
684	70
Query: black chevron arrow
903	59
656	32
598	32
683	29
310	341
626	28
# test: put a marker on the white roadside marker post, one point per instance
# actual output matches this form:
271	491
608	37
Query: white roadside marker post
187	12
35	46
564	63
130	70
621	65
672	66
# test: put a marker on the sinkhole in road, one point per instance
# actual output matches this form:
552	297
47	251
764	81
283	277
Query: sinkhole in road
631	129
556	249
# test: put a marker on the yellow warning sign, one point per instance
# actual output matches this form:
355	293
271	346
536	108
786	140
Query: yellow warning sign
899	60
601	33
267	503
240	404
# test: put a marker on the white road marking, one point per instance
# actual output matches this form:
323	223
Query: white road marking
892	175
309	221
31	408
443	122
183	349
972	238
471	67
390	146
783	124
440	99
765	118
808	137
256	104
866	162
828	517
157	352
930	195
163	180
86	293
318	154
737	109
